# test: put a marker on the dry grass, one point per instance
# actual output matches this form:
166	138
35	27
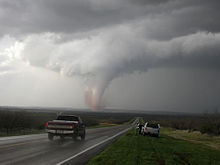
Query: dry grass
194	136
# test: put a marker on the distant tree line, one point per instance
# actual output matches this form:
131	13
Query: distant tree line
207	123
16	122
23	122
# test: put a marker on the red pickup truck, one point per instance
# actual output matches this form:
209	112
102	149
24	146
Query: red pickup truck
66	125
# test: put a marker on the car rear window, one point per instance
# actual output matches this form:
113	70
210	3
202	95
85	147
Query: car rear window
152	125
67	118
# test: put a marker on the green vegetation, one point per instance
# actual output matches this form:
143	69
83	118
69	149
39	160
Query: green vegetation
141	121
134	149
131	121
193	136
208	123
21	122
102	125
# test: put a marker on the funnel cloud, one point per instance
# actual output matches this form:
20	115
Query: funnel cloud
103	41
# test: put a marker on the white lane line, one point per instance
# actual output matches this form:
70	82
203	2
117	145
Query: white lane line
110	138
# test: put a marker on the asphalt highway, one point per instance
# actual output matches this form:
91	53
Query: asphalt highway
37	149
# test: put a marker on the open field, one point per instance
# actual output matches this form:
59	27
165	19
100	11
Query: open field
193	136
15	121
133	149
22	122
102	125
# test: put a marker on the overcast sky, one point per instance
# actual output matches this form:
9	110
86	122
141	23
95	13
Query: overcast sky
157	55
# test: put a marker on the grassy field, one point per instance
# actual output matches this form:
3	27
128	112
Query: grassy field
102	125
133	149
194	136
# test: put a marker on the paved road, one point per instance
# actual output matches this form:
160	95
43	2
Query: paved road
37	149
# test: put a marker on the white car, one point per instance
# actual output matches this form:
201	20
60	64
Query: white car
152	129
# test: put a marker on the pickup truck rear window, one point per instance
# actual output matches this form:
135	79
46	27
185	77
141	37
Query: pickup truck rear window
67	118
152	125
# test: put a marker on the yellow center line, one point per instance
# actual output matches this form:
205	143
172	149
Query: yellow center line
18	144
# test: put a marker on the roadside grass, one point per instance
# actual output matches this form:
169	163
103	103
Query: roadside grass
102	125
131	121
134	149
193	136
141	120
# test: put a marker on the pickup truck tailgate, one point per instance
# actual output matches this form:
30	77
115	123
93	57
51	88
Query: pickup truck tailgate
62	125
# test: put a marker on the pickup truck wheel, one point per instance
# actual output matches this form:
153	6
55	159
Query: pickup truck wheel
50	136
74	137
83	136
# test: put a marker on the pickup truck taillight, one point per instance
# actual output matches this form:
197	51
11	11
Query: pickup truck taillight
46	124
73	125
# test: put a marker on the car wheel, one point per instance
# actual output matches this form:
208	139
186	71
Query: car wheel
83	136
74	137
50	136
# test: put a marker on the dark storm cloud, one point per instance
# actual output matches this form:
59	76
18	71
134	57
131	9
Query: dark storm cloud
168	18
112	54
104	39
